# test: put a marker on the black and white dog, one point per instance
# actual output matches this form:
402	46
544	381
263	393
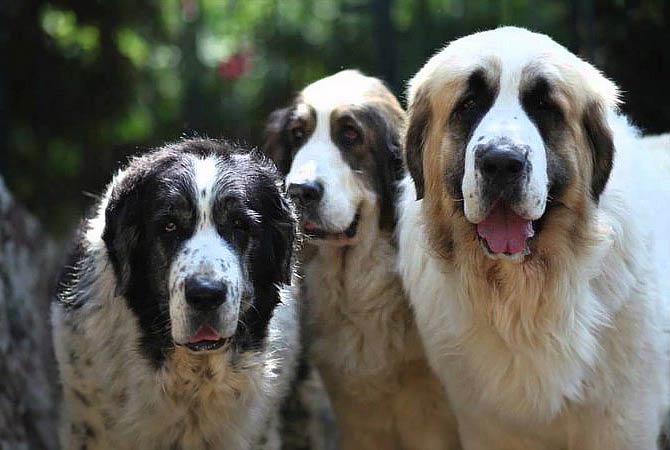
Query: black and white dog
175	326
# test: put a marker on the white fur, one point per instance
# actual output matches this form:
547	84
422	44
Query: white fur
115	400
590	370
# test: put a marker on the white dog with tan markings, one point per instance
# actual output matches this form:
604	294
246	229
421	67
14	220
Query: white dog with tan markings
528	251
339	146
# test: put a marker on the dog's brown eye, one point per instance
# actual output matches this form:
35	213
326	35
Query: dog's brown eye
170	227
350	135
544	104
240	232
298	133
468	104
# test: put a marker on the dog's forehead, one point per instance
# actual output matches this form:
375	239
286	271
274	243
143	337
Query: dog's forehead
200	180
206	173
505	54
214	176
513	47
344	88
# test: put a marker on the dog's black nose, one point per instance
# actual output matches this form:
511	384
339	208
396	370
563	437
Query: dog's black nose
204	294
307	192
501	164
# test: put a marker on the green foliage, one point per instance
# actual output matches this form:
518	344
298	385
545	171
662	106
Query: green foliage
89	83
73	40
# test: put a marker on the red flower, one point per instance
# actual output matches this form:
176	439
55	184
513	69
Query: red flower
235	66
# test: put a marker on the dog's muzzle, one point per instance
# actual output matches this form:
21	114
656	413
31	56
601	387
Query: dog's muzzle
306	194
503	166
504	169
205	296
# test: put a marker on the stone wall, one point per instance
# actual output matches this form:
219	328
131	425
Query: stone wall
27	368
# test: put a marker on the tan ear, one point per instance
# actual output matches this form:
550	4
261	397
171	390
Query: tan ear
274	143
599	136
415	139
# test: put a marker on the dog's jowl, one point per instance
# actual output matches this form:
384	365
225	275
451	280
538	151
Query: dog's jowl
175	325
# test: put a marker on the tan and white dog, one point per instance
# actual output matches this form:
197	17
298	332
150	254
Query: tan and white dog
529	250
339	146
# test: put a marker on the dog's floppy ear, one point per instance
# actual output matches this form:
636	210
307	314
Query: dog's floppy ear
388	162
280	241
274	141
273	258
122	229
415	139
599	137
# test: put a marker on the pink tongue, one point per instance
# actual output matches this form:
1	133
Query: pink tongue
309	226
505	231
205	333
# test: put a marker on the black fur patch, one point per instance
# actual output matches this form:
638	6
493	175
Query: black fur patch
286	131
536	100
470	109
602	146
419	123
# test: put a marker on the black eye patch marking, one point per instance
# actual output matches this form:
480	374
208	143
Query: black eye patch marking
299	126
347	132
538	102
235	221
368	139
173	218
473	104
470	109
296	130
286	130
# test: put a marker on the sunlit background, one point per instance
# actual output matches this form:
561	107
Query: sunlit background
85	83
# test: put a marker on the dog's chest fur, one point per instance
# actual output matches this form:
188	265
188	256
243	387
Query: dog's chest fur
364	342
353	295
535	356
118	401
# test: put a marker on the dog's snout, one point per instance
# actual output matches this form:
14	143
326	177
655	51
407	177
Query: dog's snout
307	192
500	164
204	294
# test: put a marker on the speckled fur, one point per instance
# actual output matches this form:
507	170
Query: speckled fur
115	399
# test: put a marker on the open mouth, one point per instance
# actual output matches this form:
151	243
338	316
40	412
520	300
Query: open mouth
503	232
206	339
316	232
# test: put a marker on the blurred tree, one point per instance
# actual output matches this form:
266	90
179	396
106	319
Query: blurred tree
65	86
633	53
87	83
